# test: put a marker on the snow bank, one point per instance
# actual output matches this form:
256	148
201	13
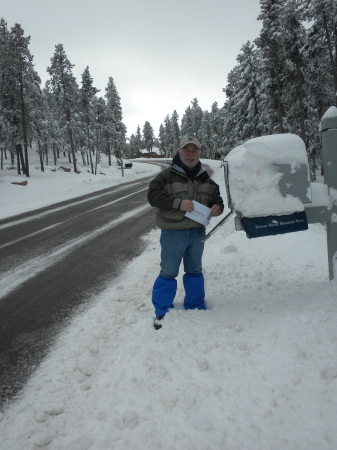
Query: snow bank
55	185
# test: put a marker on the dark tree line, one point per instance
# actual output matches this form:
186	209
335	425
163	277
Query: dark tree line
283	82
61	118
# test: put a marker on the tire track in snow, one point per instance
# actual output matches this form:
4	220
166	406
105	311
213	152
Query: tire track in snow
64	221
16	276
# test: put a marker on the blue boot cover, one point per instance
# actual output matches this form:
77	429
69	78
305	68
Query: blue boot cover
163	293
194	290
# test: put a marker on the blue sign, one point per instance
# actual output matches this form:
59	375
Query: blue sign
273	225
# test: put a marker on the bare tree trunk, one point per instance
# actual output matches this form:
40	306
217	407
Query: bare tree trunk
300	96
24	128
96	161
122	163
109	155
89	148
40	155
278	86
72	146
20	159
55	155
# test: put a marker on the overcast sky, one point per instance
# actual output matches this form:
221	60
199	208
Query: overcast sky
161	54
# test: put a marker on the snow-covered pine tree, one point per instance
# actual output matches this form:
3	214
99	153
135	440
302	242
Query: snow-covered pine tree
162	139
57	139
65	91
43	132
139	137
270	42
175	131
169	150
205	135
20	93
320	85
192	120
294	94
169	135
187	123
88	93
244	115
216	125
98	105
133	146
196	114
148	136
324	15
298	98
115	129
6	107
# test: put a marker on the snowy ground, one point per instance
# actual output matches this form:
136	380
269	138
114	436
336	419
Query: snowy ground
49	187
257	370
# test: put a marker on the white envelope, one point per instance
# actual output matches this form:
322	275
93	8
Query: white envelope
200	214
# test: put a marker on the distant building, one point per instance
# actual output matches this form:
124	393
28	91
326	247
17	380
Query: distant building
154	153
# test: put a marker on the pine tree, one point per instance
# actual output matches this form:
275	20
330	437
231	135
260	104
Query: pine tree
162	139
148	136
65	90
324	13
44	131
20	93
169	149
187	128
205	134
294	92
320	85
88	93
191	122
246	104
270	42
175	130
98	125
133	146
139	139
56	138
197	115
114	128
216	125
6	103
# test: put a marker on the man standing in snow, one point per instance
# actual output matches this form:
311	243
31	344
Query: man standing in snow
172	192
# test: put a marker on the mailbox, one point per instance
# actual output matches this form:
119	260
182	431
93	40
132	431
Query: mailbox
268	185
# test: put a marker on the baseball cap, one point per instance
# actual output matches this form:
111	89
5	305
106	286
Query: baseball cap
190	140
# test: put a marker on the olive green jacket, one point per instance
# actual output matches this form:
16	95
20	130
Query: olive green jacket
171	186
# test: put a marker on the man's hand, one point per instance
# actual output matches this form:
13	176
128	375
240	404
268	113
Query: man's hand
186	205
215	210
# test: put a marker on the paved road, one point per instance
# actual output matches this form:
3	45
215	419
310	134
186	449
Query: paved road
54	259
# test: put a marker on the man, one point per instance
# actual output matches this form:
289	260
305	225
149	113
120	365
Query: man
172	192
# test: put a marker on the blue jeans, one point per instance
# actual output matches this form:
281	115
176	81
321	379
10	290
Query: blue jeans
177	246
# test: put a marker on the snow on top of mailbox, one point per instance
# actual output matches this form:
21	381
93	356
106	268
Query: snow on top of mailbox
256	169
331	112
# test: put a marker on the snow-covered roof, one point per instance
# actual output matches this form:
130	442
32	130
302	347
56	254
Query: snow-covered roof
145	151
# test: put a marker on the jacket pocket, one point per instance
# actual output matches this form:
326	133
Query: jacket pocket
205	194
